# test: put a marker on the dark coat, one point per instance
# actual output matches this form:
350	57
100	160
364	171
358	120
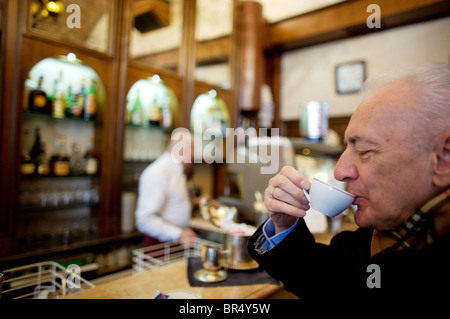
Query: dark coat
339	271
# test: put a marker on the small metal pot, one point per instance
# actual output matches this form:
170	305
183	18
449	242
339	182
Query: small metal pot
260	218
239	256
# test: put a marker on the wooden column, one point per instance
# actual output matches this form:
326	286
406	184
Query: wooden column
110	217
187	62
250	55
10	118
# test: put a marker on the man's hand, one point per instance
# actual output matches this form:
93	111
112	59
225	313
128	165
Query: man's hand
284	198
187	236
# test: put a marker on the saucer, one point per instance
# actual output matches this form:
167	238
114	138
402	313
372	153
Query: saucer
210	276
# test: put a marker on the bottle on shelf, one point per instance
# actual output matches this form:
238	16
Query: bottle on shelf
72	109
37	146
37	99
42	165
80	99
76	161
58	104
90	160
90	106
60	162
51	98
154	115
27	166
37	155
137	113
166	114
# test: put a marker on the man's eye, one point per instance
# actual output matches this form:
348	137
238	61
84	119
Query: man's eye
365	153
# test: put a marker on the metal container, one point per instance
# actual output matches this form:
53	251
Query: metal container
212	257
239	256
260	218
314	120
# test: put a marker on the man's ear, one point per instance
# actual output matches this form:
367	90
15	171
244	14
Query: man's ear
441	161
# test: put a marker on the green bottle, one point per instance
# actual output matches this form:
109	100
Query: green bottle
137	113
90	107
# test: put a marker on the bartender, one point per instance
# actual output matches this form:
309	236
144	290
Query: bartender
164	207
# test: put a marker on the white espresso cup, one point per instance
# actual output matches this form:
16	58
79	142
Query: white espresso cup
328	199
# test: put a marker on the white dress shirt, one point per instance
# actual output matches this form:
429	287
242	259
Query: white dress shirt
163	206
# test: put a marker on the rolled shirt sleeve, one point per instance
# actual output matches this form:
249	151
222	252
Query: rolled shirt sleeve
269	233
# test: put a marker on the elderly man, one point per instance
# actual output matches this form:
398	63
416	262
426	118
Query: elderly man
397	164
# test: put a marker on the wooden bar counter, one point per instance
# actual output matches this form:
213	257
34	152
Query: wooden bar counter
173	276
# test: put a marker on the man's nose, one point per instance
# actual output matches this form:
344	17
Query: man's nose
345	169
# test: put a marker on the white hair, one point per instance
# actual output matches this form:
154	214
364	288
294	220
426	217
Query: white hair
432	88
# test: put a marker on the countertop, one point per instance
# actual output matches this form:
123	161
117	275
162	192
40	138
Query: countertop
173	277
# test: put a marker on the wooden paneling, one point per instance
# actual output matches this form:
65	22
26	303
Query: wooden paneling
349	18
207	52
9	152
331	23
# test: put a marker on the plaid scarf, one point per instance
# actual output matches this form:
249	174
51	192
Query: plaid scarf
422	228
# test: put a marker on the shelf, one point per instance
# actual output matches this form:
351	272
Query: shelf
137	161
49	116
71	176
40	209
157	128
33	251
305	146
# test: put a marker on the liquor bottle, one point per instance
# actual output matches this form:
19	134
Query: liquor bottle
60	162
27	166
76	161
42	165
90	106
37	99
58	107
137	113
80	98
51	98
154	115
166	114
37	155
70	102
36	149
90	160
